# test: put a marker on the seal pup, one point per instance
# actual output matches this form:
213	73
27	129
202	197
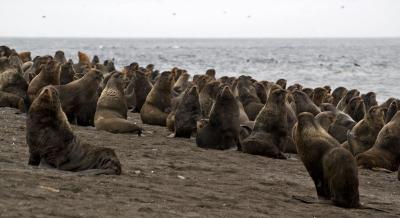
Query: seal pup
363	135
49	75
51	140
187	113
332	168
385	153
111	111
157	106
223	128
270	128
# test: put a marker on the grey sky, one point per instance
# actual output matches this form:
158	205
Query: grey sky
205	18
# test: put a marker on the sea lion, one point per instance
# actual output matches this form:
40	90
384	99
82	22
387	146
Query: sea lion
67	73
342	124
346	99
320	95
391	111
369	100
60	57
12	100
52	141
79	98
111	111
282	83
207	97
261	92
142	87
355	108
325	119
363	135
332	168
25	56
270	128
304	104
49	75
211	73
223	129
187	114
385	153
338	94
182	83
158	102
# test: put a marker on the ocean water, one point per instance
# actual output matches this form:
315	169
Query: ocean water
365	64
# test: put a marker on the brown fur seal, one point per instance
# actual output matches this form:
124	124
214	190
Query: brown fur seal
369	100
52	141
79	98
158	102
67	73
325	119
207	97
304	104
282	83
25	56
385	153
111	111
60	57
182	83
355	108
12	100
338	94
342	124
346	99
391	111
142	87
363	135
49	75
187	114
332	168
320	95
270	128
223	129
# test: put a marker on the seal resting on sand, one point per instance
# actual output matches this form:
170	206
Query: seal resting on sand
270	128
223	129
111	111
332	168
52	141
157	106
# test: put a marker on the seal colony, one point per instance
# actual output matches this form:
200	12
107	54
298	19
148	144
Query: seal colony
334	132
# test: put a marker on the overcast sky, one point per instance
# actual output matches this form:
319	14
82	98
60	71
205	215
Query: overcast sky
200	18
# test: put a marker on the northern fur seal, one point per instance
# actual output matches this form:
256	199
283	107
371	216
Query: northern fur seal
111	111
325	119
363	135
391	111
207	97
304	104
157	106
52	141
338	94
369	100
332	168
49	75
270	128
142	87
67	73
182	83
346	99
355	108
25	56
187	113
320	95
385	153
12	100
60	57
223	129
79	98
